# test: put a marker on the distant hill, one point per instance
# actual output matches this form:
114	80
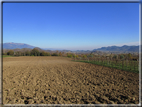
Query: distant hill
12	45
124	48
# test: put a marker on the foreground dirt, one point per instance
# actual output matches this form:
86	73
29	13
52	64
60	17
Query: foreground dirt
57	80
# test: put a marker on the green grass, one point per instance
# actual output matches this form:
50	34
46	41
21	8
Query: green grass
113	65
6	56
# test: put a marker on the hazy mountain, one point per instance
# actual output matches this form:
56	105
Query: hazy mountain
12	45
50	49
124	48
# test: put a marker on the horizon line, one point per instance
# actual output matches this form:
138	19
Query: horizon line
76	49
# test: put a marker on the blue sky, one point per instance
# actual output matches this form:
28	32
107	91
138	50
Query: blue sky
71	25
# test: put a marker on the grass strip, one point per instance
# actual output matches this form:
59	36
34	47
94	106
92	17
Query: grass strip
112	65
6	56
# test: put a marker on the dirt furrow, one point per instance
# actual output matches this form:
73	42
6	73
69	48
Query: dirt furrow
58	80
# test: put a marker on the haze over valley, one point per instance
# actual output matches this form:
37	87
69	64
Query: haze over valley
109	49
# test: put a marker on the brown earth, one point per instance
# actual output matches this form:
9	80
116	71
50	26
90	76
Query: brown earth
58	80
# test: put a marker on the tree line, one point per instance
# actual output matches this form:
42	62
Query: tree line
36	52
33	52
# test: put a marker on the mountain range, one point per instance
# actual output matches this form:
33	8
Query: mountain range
12	45
125	48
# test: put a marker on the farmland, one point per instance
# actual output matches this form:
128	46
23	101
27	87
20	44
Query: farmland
6	56
127	65
59	80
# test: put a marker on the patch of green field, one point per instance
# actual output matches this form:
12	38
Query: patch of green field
124	67
6	56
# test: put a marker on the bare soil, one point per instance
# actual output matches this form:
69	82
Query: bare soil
58	80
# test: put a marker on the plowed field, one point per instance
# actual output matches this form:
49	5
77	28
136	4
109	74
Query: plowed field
58	80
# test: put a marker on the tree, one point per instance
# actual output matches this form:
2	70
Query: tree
42	53
19	53
23	53
57	52
69	55
54	54
60	54
10	52
91	55
35	52
84	56
47	54
27	53
129	56
74	56
111	56
4	53
63	53
121	56
115	57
